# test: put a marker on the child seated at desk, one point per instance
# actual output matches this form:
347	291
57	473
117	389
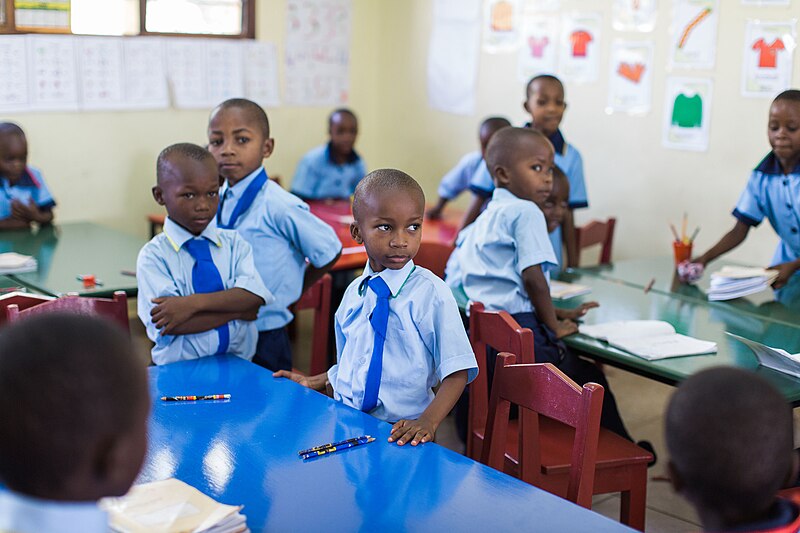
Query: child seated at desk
398	331
25	197
74	425
773	191
293	248
334	169
458	178
199	291
729	435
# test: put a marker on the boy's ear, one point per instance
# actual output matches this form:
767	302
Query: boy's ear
791	479
355	233
525	106
158	195
116	466
501	177
269	146
674	478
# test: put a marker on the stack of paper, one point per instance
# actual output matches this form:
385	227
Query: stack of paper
563	291
734	282
171	506
649	339
774	358
14	263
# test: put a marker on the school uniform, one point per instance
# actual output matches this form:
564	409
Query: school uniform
783	517
30	186
772	194
164	268
569	160
319	176
25	514
425	342
507	238
458	178
283	234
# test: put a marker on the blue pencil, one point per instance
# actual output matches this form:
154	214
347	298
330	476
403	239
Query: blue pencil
366	439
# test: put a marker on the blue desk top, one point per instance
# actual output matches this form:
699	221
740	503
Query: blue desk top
244	451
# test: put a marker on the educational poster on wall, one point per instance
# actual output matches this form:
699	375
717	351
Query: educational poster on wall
693	34
768	52
53	74
538	53
13	74
453	54
765	2
631	78
634	15
186	68
317	52
542	5
687	110
145	73
225	76
579	50
100	73
51	16
501	26
261	73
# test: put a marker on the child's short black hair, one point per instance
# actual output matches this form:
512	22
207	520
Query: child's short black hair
541	77
493	124
252	109
792	95
729	435
10	128
383	180
341	111
187	150
68	384
505	145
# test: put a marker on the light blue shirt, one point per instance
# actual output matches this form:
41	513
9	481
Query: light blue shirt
508	237
30	186
283	234
318	176
25	514
425	342
164	268
772	194
458	178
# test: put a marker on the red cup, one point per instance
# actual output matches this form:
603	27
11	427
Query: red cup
682	251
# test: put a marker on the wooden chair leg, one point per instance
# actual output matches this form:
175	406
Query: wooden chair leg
634	501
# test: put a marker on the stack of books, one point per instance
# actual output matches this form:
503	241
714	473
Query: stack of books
171	506
734	282
14	263
560	290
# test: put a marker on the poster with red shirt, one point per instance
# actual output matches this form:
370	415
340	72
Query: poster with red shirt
768	52
579	50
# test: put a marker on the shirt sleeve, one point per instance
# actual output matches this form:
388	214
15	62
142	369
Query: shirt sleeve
154	281
456	180
481	183
577	185
748	208
315	239
529	230
42	197
246	275
303	182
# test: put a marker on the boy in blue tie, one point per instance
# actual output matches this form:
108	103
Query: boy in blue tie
199	291
334	169
26	198
398	330
292	247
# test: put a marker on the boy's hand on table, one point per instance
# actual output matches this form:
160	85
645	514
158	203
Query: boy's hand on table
416	431
294	376
566	327
26	212
785	271
578	312
171	312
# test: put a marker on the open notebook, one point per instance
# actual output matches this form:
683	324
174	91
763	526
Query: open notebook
171	506
649	339
774	358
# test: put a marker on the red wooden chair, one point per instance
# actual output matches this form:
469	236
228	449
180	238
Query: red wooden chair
22	300
621	466
318	298
115	309
433	256
596	232
542	389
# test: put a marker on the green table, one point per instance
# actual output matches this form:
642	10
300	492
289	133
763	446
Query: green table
689	316
781	307
67	251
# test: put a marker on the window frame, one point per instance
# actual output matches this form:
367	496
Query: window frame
9	25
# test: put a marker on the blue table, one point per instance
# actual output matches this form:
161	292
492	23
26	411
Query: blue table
244	451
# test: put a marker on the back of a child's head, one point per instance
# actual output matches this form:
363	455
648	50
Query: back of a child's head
385	181
729	436
74	404
166	162
505	146
251	112
9	129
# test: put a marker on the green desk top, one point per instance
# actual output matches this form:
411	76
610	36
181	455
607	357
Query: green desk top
782	306
67	251
619	301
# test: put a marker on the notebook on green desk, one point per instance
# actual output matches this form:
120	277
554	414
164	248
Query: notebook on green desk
648	339
774	358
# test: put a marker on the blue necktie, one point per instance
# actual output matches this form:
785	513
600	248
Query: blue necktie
206	278
379	319
244	202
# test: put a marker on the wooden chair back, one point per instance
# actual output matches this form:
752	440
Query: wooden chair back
318	298
597	232
115	309
434	256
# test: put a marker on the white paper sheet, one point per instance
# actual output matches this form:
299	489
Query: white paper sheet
53	73
261	73
693	34
100	68
631	77
539	51
186	67
224	70
634	15
579	53
687	108
14	86
765	2
768	54
145	73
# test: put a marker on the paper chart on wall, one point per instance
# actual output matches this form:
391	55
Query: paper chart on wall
693	34
13	74
53	73
501	25
317	52
687	110
225	75
634	15
186	67
631	77
768	52
765	2
453	56
538	53
261	73
145	73
542	5
579	47
100	68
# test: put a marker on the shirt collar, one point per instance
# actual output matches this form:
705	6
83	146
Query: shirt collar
395	279
351	158
26	180
503	195
771	165
178	236
25	513
241	185
557	138
782	513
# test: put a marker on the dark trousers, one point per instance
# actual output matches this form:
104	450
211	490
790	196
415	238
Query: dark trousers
274	351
